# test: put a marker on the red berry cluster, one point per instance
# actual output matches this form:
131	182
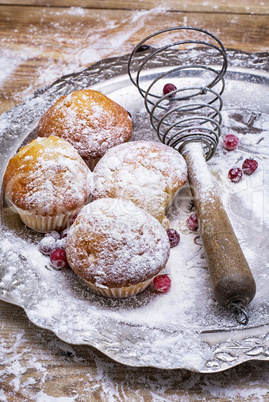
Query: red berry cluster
230	142
162	283
53	244
248	167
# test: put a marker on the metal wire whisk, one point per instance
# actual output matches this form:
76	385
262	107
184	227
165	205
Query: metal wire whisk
188	118
191	112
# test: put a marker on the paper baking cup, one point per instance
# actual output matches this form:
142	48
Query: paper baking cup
117	293
44	224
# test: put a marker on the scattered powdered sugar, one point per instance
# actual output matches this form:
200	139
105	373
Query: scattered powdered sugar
181	314
74	48
105	377
177	318
148	322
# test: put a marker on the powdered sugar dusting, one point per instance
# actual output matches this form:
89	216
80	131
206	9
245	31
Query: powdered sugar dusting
90	121
54	177
114	242
146	172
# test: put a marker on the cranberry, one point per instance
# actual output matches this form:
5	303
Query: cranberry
162	283
173	237
235	174
192	222
58	259
230	141
169	88
249	166
47	245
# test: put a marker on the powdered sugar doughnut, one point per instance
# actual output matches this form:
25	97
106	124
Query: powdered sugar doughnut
89	120
47	183
116	247
145	172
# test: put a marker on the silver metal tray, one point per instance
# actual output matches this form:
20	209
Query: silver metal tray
184	328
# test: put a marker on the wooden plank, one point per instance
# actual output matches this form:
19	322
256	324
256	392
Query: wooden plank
42	362
33	26
64	40
217	6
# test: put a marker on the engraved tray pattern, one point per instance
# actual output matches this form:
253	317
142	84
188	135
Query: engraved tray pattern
59	301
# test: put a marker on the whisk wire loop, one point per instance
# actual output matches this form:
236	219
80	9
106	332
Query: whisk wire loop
180	69
196	101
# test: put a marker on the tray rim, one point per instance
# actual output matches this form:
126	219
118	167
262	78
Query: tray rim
99	65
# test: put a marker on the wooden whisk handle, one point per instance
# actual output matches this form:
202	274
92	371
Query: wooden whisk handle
231	279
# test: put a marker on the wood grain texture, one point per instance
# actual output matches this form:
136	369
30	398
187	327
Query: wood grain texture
216	6
44	38
37	45
230	275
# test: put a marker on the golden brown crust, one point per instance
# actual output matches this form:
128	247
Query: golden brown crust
47	176
89	120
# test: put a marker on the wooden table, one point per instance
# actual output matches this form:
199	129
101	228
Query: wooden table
41	40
